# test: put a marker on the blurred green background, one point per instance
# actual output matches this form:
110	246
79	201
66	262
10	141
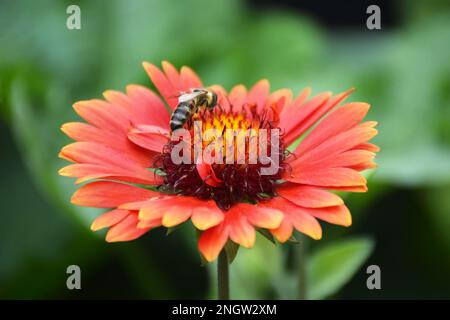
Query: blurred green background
403	70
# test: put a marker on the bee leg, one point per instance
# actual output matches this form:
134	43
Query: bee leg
205	109
189	122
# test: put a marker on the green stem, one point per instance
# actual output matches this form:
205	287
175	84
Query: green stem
301	254
223	278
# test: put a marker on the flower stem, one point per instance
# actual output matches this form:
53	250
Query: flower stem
223	279
301	254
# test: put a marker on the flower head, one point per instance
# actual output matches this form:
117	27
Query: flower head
127	147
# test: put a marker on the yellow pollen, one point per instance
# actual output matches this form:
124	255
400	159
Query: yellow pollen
244	128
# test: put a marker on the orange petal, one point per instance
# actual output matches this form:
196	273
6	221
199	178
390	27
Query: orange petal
258	94
148	108
109	219
174	210
107	160
294	119
351	189
189	79
204	213
103	115
297	103
176	215
222	99
162	83
307	224
328	177
298	120
81	131
207	216
241	219
363	166
367	146
172	75
125	230
242	232
339	215
325	154
106	194
263	217
149	137
297	216
280	94
284	232
212	241
84	132
237	97
306	196
85	172
239	224
117	98
338	121
208	175
135	205
95	153
170	82
153	208
145	224
369	124
352	158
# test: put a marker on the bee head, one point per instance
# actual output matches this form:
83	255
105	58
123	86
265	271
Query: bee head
212	99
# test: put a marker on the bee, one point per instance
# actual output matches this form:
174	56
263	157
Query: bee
189	104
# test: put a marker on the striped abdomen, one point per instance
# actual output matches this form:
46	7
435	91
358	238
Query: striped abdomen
180	115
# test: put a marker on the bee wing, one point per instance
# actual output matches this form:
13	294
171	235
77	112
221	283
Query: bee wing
188	96
176	95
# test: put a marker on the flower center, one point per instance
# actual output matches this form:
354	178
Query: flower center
242	157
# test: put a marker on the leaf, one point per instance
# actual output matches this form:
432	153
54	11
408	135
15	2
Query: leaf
266	234
231	249
171	229
332	266
293	239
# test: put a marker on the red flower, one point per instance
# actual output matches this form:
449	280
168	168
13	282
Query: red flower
128	134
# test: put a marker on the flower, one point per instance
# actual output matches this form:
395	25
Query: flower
125	147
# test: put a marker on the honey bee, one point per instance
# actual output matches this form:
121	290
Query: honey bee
189	104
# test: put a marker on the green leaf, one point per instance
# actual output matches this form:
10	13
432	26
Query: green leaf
266	234
172	229
231	249
332	266
293	239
